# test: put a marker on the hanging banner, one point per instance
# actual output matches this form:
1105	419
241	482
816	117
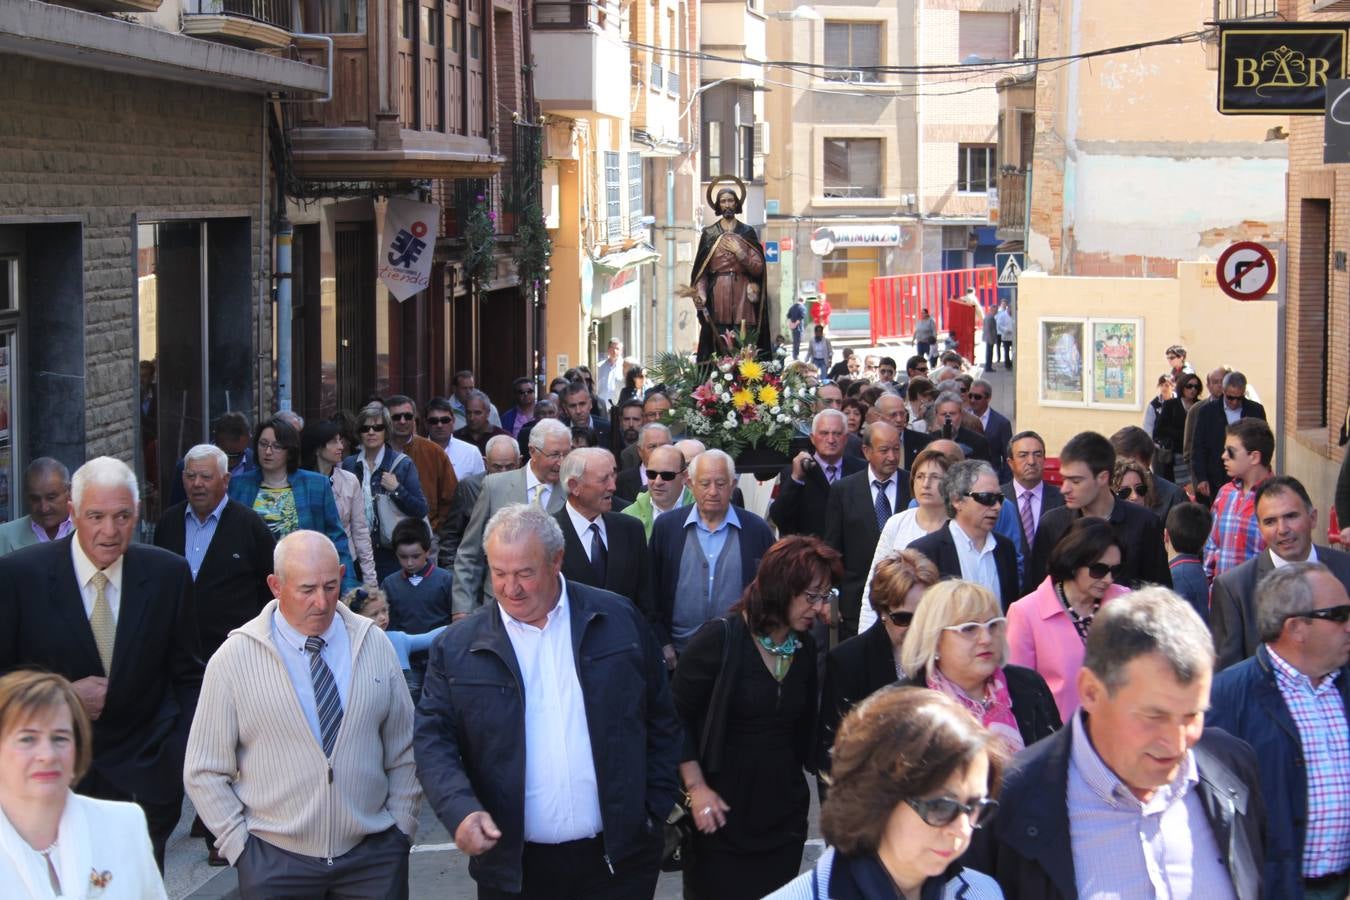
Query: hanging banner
1279	68
410	230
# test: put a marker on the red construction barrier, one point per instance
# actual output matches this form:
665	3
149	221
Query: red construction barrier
896	299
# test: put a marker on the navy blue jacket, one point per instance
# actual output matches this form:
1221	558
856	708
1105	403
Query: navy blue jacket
1246	702
469	737
668	537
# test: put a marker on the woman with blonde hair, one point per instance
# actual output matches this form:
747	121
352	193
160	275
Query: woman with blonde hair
957	644
54	842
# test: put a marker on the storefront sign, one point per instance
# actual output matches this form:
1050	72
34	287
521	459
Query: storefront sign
826	238
1279	68
1336	130
409	243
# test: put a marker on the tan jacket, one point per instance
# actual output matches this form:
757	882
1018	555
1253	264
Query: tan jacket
254	767
351	505
437	477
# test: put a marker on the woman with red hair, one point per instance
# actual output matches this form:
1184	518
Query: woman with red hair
746	690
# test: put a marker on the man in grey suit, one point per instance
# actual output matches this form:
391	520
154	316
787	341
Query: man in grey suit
1287	520
1028	490
46	485
536	482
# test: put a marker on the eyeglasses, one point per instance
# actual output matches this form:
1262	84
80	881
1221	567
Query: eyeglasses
524	392
974	396
942	811
1231	452
1138	490
664	476
377	427
901	618
403	417
986	498
971	630
1338	614
1231	399
440	420
268	447
1190	387
824	597
552	455
1101	570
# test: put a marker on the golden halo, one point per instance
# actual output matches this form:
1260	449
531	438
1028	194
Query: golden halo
725	179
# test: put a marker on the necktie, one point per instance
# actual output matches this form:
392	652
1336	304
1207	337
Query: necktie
829	473
101	622
325	694
539	495
1028	520
883	505
599	555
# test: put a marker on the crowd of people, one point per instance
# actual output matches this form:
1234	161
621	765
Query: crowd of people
559	624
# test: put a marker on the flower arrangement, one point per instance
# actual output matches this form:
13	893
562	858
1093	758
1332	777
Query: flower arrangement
736	402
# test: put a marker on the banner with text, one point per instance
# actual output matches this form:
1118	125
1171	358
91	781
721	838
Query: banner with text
410	230
1279	68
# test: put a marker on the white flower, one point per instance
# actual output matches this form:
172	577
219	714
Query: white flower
726	398
775	410
727	377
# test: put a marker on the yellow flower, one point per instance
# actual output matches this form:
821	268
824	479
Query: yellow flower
751	371
768	395
743	398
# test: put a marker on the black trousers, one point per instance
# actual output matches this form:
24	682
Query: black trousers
375	869
162	818
577	870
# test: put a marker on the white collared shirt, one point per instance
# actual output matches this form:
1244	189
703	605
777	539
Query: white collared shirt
977	563
336	654
531	482
1279	563
562	798
583	527
892	493
464	459
84	571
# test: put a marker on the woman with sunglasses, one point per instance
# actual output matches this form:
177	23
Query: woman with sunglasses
374	605
908	525
745	689
381	470
1048	628
287	497
957	645
321	447
870	660
914	776
1132	482
1169	433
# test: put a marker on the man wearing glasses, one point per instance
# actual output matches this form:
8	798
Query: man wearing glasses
1285	515
522	414
997	428
968	547
1247	458
667	485
1134	797
1212	421
434	470
1289	703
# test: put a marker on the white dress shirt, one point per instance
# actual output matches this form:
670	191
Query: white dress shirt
892	492
464	459
977	562
536	491
583	527
562	799
337	654
1278	562
84	572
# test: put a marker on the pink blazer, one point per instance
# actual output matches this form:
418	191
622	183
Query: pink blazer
1041	636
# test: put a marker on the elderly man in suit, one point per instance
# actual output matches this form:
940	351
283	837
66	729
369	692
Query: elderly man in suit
1028	489
602	548
857	510
704	554
967	547
46	486
997	428
1287	520
1211	425
536	482
804	486
117	619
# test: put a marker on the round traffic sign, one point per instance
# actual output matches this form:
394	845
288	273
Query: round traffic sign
1246	270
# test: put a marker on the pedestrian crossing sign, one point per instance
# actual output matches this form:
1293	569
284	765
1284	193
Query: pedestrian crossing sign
1009	266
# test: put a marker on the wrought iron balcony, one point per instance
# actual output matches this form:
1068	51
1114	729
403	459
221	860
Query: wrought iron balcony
1238	10
246	23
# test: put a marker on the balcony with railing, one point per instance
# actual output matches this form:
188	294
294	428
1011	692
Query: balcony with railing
1239	10
254	24
581	63
1012	205
410	96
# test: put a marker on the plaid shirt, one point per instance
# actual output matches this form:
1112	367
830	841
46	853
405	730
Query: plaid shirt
1235	537
1319	715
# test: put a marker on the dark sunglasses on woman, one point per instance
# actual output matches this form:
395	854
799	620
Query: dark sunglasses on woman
1139	490
900	618
942	811
1100	570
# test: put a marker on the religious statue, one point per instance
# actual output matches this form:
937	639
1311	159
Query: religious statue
728	278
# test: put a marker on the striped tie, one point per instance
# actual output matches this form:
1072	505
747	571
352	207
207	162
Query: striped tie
325	694
101	622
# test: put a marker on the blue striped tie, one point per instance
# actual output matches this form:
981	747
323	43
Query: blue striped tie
325	694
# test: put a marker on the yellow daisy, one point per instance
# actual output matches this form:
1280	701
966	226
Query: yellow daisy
751	370
743	398
768	395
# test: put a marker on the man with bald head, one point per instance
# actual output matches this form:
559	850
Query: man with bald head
667	486
252	764
857	509
46	486
892	409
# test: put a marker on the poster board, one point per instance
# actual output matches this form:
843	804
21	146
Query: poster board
1090	362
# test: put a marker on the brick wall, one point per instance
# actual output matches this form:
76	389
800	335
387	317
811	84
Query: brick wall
106	147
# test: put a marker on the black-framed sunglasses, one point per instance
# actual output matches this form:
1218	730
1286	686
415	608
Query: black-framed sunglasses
377	427
986	498
901	618
1100	570
403	417
1231	452
1138	490
664	476
440	420
975	396
1338	614
942	811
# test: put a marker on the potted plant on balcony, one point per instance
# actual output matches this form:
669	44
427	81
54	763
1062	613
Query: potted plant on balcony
480	242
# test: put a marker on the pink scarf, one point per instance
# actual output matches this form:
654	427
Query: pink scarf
993	712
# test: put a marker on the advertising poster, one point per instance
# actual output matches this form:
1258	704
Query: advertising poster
1062	362
1115	363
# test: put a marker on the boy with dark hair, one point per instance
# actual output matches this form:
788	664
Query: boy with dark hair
1234	538
419	593
1188	525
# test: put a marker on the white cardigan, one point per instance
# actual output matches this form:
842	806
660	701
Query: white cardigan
97	841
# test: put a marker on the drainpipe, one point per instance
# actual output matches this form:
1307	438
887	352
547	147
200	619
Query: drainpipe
283	276
670	255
